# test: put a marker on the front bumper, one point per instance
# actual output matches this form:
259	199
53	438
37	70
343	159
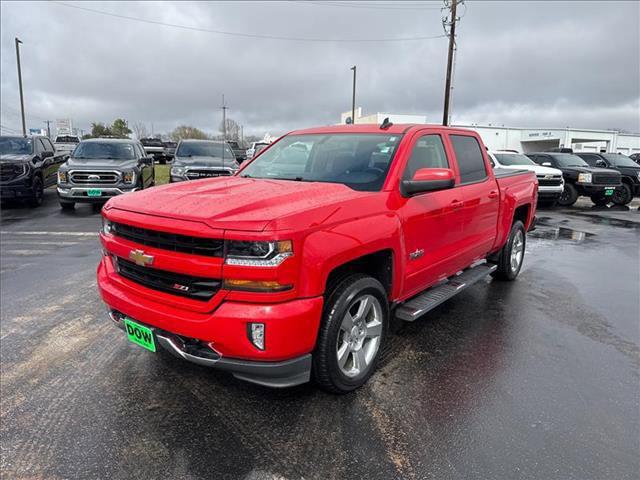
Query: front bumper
550	193
16	189
589	189
290	330
80	194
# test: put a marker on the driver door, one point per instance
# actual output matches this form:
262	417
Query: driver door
432	221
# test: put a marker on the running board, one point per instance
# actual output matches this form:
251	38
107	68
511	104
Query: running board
432	297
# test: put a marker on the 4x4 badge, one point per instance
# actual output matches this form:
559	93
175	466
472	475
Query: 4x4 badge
140	258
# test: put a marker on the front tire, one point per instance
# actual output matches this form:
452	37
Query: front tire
622	195
569	195
599	200
38	193
512	254
353	329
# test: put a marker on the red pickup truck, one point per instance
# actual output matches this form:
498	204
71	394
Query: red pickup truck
298	265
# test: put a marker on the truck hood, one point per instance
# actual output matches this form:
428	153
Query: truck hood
15	158
597	170
99	164
537	169
236	203
204	162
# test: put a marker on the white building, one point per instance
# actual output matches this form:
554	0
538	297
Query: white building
378	118
541	139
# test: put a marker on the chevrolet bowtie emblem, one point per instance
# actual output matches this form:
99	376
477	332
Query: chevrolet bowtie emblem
140	258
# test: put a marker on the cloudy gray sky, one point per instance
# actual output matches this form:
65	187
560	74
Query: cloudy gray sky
546	64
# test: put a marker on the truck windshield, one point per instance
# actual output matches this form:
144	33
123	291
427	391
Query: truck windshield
16	146
619	160
204	149
513	159
104	150
569	160
359	161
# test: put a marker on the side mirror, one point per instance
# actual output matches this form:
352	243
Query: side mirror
546	164
601	163
428	180
44	155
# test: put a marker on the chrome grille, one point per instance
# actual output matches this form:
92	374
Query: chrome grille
549	180
94	177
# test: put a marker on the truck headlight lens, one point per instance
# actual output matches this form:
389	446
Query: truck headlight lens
63	177
259	253
129	177
638	174
107	226
584	178
177	171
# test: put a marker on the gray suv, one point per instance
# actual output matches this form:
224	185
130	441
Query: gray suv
101	168
196	159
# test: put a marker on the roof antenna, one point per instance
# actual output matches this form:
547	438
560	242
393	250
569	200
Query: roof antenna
385	124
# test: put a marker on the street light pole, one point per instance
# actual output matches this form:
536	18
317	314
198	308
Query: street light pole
452	42
24	126
353	98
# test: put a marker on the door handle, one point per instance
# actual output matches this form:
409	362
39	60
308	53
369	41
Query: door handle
493	194
457	204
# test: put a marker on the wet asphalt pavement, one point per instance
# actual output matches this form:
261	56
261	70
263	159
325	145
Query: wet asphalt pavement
534	379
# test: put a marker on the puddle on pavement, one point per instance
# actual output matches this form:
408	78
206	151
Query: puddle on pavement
554	232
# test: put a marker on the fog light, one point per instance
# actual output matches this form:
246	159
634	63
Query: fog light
255	332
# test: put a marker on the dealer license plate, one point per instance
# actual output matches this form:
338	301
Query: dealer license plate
139	334
608	192
94	192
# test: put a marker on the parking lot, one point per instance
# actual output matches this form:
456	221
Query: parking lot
537	378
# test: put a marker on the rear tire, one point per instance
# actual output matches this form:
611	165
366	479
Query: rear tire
353	330
569	195
623	195
38	193
511	256
67	205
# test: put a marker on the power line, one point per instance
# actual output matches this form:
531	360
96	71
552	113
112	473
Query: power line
362	5
248	35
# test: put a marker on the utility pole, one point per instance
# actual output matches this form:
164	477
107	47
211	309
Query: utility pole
353	98
452	42
24	126
224	119
48	128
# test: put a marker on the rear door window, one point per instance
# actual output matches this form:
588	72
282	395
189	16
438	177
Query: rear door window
470	160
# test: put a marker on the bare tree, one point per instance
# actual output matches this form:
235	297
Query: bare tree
186	131
141	130
233	129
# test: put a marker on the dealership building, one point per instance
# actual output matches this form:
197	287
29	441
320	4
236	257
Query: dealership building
527	139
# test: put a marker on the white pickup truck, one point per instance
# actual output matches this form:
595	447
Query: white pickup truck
550	180
66	143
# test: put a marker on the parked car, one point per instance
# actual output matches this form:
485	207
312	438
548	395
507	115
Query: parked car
550	181
170	150
635	157
256	148
629	170
239	152
299	264
579	178
154	148
101	168
66	143
28	165
197	159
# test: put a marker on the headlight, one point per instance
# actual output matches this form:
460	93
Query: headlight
584	178
258	254
63	177
177	171
107	226
638	174
129	177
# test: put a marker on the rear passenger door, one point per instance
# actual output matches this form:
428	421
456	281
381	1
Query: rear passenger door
480	196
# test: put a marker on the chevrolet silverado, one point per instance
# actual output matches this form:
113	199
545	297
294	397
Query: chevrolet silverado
297	266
